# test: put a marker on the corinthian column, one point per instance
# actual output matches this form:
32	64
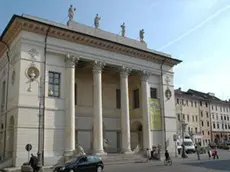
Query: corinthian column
145	110
97	116
125	121
70	105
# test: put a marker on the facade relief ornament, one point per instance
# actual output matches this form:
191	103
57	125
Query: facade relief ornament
98	66
33	54
71	61
168	92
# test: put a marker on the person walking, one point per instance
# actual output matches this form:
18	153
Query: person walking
198	151
33	162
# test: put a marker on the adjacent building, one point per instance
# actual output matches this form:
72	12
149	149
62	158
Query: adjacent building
212	113
69	85
187	110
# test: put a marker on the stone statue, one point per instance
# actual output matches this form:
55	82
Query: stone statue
71	12
123	29
80	150
96	21
141	34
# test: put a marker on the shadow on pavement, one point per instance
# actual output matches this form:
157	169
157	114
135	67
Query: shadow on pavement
212	164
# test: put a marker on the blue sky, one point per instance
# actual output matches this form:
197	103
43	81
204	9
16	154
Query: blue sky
195	31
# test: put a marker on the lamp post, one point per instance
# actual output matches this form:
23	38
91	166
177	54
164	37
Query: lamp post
183	125
33	74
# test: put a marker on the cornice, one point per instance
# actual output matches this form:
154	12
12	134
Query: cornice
19	23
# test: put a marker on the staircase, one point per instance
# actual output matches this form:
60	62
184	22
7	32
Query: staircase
113	159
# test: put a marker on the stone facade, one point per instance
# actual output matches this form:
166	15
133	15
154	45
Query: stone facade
80	86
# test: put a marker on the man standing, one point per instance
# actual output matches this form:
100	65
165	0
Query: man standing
33	162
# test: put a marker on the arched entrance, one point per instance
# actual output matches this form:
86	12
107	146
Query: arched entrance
136	135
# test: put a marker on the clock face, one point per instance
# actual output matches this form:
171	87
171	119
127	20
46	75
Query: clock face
168	93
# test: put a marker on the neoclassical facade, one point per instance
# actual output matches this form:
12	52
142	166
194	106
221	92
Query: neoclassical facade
78	85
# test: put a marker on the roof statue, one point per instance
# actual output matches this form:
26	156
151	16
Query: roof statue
71	12
96	21
123	29
141	34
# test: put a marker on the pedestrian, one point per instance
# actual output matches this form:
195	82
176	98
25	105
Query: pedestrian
148	154
33	162
209	152
198	151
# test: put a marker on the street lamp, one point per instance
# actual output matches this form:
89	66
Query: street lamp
33	74
183	125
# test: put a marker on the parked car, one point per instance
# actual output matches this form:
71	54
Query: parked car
83	163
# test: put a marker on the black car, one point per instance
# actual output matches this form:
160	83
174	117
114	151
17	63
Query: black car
83	163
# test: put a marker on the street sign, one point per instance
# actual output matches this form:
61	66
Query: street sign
28	147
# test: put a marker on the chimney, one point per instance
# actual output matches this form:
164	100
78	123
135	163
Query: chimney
179	88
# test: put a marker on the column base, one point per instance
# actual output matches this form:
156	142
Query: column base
127	151
99	152
68	155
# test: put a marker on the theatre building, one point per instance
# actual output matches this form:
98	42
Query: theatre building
68	85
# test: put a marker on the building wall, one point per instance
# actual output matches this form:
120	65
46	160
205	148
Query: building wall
187	109
220	120
26	112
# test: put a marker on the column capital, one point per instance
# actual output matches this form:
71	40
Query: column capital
145	75
125	71
98	66
71	60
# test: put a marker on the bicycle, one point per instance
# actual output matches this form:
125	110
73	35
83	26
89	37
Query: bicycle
168	162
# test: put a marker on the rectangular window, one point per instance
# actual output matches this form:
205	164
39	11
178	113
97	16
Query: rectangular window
177	100
187	102
207	114
195	104
187	117
214	125
54	84
201	113
202	123
178	116
218	126
195	129
200	103
118	98
191	103
192	118
3	92
136	102
153	93
206	104
207	124
196	118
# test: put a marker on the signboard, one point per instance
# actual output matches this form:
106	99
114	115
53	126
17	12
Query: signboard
28	147
155	114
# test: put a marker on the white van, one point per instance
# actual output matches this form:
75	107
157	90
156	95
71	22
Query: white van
188	143
189	146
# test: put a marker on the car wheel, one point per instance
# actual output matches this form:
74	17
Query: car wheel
99	169
71	170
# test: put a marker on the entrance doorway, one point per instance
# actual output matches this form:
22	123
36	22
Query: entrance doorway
136	136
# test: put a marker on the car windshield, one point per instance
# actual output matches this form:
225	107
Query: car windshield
188	143
74	159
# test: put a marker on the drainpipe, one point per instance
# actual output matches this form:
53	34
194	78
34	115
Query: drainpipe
42	117
163	107
7	91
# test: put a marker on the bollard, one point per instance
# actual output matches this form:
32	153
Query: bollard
26	168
